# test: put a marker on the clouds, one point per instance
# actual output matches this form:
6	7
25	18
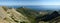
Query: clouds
10	2
29	2
18	2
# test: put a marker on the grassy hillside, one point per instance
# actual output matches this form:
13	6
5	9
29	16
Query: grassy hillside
31	14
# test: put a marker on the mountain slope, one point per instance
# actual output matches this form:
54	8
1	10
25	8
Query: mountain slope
29	13
11	16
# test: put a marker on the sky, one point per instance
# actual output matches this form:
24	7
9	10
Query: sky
47	4
40	2
29	2
10	2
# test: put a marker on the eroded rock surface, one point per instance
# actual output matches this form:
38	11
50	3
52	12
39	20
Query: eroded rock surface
12	16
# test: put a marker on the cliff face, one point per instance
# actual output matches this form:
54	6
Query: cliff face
12	16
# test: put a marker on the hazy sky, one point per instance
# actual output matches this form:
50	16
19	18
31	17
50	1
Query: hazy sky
10	2
55	4
40	2
29	2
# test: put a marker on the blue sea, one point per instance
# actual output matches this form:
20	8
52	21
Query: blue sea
40	7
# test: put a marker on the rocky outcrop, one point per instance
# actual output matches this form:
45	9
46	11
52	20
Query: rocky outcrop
12	16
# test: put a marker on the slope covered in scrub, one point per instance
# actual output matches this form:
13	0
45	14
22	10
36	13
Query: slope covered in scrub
29	13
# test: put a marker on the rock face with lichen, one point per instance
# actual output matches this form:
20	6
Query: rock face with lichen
11	16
